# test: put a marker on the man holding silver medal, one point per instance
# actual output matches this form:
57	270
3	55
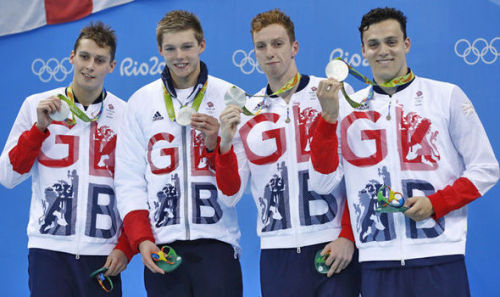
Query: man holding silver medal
269	144
167	192
70	157
414	154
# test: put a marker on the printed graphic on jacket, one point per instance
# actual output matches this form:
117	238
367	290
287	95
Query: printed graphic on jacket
273	206
199	164
304	125
418	141
377	226
366	143
372	225
59	207
102	150
166	209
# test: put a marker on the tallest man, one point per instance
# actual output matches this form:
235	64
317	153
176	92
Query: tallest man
423	141
270	151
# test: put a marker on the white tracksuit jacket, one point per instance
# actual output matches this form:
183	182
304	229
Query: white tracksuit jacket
433	137
73	202
273	154
161	167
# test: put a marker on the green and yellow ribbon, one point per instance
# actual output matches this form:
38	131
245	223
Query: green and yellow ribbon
170	105
398	81
286	87
77	111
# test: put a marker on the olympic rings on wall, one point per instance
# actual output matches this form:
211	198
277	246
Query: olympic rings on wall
479	49
52	69
246	62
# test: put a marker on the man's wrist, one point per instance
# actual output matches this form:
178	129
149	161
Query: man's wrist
225	146
330	117
40	127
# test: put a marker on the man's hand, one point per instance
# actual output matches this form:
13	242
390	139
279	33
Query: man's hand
229	119
147	248
116	262
328	97
339	253
44	108
207	125
419	208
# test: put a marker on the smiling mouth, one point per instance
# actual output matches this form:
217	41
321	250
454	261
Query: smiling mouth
181	65
385	61
88	75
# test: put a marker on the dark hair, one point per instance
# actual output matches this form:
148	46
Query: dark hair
271	17
378	15
101	34
179	20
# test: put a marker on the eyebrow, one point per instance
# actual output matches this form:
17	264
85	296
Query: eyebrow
97	56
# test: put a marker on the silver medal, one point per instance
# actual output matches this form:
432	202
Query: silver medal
62	113
235	96
183	117
337	69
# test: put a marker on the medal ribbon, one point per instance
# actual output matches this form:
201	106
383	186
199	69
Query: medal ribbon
398	81
170	105
286	87
77	111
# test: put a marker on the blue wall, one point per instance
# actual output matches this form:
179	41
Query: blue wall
439	31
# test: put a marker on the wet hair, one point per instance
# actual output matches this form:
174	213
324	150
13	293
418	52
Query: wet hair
378	15
101	34
179	20
271	17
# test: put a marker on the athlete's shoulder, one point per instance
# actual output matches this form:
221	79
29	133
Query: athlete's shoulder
437	84
112	98
219	82
145	93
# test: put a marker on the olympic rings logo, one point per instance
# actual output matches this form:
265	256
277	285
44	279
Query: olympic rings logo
247	63
480	49
52	69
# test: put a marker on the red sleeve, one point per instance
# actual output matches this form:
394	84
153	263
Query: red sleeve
124	246
453	197
24	154
346	231
324	147
136	225
226	172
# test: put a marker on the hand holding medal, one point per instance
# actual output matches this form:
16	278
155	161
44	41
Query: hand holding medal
320	262
337	71
168	261
68	104
238	97
62	113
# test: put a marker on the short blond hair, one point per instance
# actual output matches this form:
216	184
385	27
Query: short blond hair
179	20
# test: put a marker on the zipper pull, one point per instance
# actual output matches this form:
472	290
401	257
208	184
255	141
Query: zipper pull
298	250
403	262
77	256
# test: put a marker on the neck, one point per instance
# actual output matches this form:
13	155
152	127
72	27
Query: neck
390	91
86	97
277	82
